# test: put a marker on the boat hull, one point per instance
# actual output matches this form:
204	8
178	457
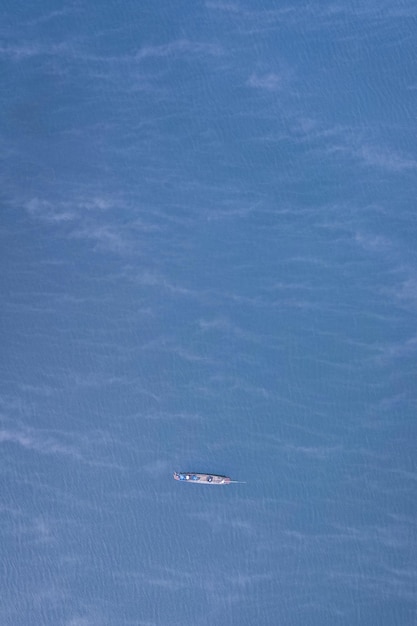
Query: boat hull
202	479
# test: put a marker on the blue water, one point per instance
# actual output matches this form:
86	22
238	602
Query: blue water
209	263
